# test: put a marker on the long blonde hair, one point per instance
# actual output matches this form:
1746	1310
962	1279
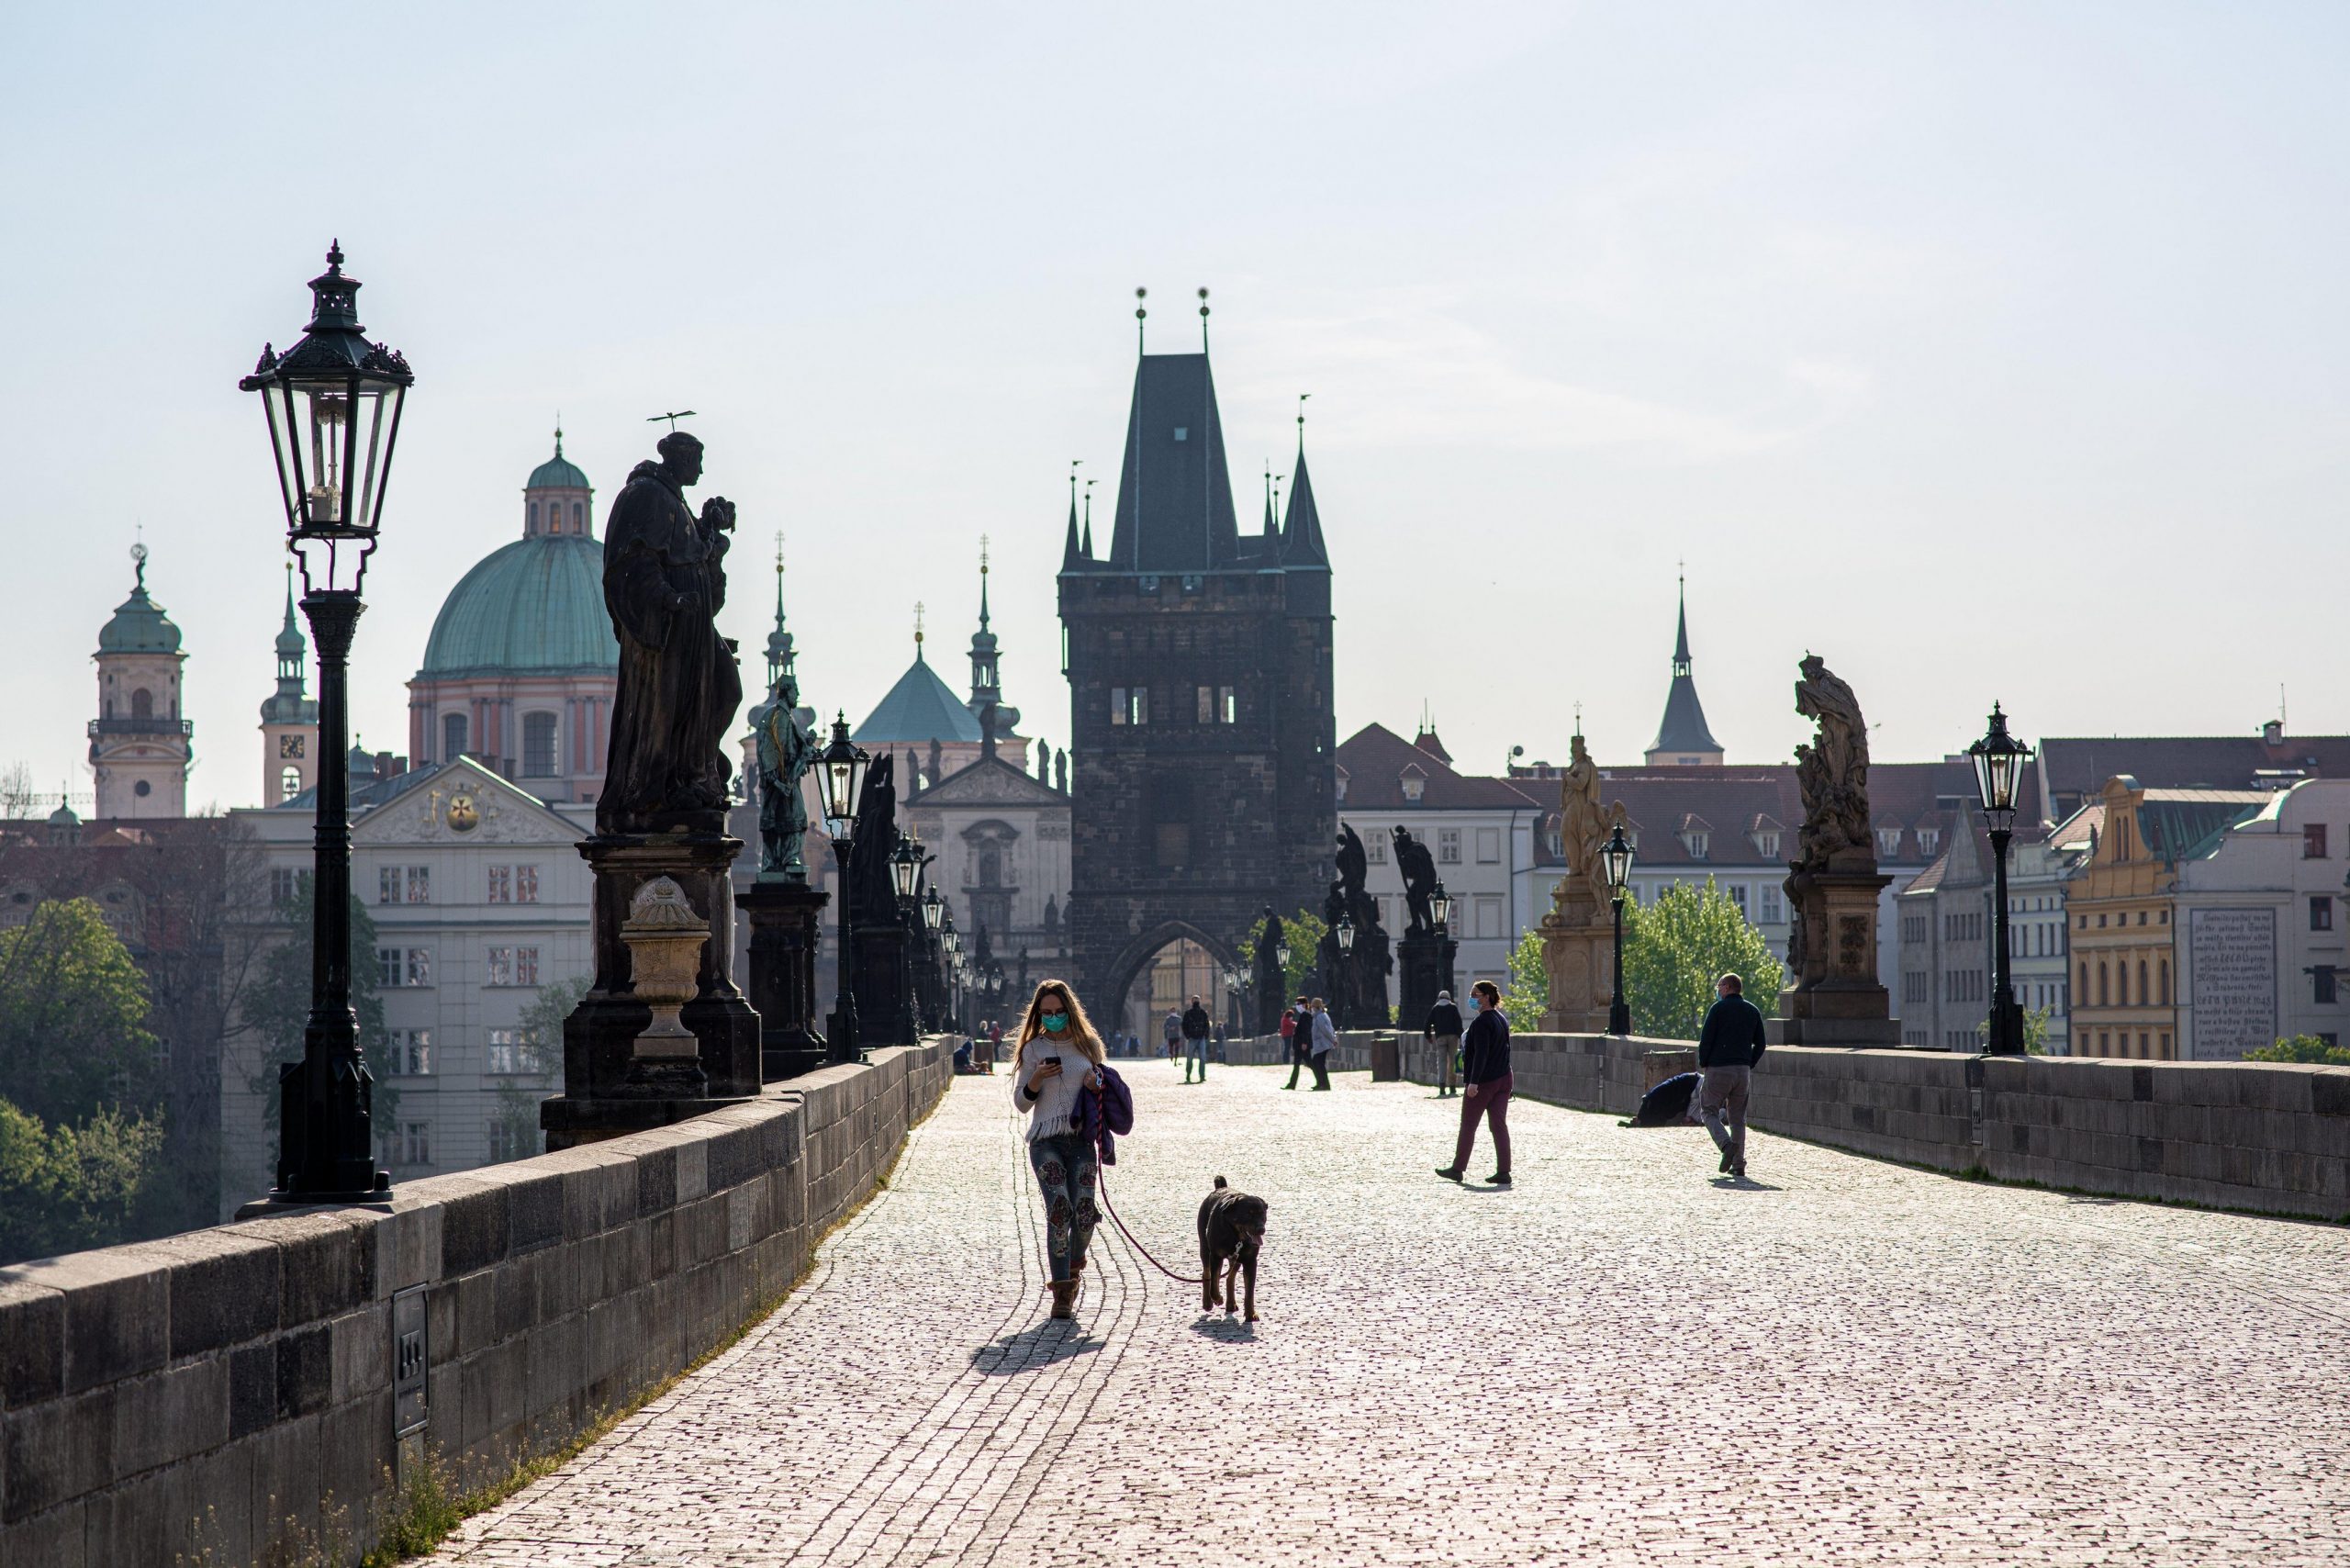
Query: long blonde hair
1081	1028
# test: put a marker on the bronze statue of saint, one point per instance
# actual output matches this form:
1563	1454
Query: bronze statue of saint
787	750
1419	869
665	581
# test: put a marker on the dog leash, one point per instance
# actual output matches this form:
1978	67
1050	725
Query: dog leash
1104	1187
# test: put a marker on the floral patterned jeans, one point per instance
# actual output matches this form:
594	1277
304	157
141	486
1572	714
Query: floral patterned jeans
1066	1175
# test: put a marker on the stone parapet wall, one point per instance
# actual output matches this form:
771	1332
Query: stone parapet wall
231	1390
2268	1138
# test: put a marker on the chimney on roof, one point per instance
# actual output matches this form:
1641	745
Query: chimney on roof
2273	733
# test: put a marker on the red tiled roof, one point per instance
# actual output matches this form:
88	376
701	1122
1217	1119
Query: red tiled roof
1374	759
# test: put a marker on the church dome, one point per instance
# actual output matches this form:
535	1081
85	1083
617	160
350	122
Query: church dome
140	625
557	473
536	604
919	707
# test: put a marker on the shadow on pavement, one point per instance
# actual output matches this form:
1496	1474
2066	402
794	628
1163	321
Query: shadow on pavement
1743	1184
1054	1339
1231	1331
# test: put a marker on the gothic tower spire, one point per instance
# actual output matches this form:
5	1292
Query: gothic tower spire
1682	739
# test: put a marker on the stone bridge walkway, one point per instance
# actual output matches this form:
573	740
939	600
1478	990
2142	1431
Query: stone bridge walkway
1621	1362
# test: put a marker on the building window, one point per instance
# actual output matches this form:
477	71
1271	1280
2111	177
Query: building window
1489	846
452	736
501	884
2164	970
2313	841
289	783
1448	846
1227	703
579	517
412	1052
1771	911
509	1053
416	1143
1766	844
538	746
2101	992
1489	916
403	967
2321	913
511	1138
1737	891
2085	977
1888	841
2323	988
513	884
404	884
534	517
1696	844
1929	839
1374	848
513	966
283	882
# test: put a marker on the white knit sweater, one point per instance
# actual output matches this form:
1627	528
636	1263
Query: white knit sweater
1055	1108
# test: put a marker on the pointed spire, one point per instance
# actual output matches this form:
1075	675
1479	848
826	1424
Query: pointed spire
1271	527
1072	553
1681	633
983	582
780	657
1683	732
1088	540
918	658
1301	532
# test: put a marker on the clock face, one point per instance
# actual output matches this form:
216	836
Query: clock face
464	815
290	745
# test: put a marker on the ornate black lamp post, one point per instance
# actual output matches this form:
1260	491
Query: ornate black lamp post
1999	759
1440	910
840	776
1342	984
1616	856
333	403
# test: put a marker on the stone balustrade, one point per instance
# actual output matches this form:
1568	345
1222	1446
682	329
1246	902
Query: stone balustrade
238	1390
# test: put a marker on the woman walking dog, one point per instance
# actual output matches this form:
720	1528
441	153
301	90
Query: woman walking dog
1058	1056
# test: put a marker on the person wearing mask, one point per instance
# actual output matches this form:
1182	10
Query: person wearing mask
1484	1051
1727	1048
1195	1040
1058	1056
1297	1030
1324	1036
1442	1031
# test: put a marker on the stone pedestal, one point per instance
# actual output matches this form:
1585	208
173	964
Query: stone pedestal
785	919
1834	998
1579	957
606	1093
1423	968
883	977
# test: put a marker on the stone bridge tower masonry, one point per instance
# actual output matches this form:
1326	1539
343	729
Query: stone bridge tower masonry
1201	692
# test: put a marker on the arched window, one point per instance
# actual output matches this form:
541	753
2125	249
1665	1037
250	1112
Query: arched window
2100	983
289	783
2085	979
579	517
142	705
538	746
452	736
534	517
991	868
2162	970
2142	995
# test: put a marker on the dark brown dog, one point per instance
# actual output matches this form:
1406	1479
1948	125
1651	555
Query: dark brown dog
1232	1226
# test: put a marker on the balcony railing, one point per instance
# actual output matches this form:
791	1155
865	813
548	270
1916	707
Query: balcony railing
141	727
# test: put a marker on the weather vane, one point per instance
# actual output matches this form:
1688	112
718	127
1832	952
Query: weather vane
917	625
673	419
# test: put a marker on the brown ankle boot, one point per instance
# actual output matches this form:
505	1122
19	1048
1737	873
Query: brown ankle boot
1064	1296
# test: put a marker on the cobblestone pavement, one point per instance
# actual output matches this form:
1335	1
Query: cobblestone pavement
1625	1360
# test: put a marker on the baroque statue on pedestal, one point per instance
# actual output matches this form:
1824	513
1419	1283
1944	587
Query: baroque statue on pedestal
1419	869
787	750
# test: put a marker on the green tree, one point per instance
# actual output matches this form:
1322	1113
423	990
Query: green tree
518	1101
64	1188
2035	1030
1529	993
1677	945
2306	1049
74	1010
276	1001
1303	932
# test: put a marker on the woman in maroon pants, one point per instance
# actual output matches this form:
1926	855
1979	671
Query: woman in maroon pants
1484	1051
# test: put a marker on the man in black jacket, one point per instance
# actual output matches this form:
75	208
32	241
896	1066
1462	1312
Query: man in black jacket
1727	1048
1195	1040
1442	1031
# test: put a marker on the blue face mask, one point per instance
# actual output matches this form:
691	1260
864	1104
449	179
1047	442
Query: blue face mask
1054	1023
1473	1004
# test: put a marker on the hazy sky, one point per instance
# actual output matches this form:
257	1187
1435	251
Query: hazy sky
1987	351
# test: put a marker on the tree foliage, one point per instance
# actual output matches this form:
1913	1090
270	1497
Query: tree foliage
68	1187
2306	1049
276	1001
1303	932
1677	945
541	1025
1528	996
74	1009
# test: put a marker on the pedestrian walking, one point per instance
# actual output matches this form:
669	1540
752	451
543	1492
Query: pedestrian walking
995	1042
1484	1052
1727	1048
1325	1034
1298	1030
1442	1031
1057	1057
1194	1040
1171	1028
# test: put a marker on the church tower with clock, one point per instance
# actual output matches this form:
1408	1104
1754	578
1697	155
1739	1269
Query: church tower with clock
289	719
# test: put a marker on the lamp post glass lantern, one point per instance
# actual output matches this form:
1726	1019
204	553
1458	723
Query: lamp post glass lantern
332	404
905	865
1999	760
1440	909
1346	933
840	775
934	909
1616	858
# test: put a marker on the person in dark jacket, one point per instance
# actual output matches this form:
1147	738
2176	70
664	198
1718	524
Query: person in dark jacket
1727	1048
1485	1068
1301	1039
1196	1026
1443	1031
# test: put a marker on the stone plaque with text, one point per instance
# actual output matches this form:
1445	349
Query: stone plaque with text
2232	954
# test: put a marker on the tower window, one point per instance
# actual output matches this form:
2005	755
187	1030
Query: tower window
538	746
1183	432
142	705
534	517
579	517
289	783
142	787
452	736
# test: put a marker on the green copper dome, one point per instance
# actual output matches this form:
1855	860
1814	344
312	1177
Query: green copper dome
536	604
557	473
140	625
